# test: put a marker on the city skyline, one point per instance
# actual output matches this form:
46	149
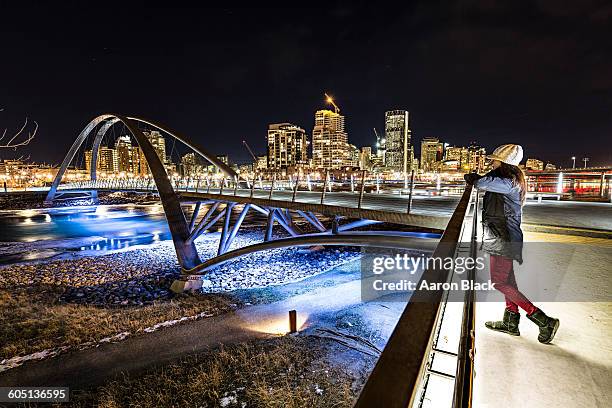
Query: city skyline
482	92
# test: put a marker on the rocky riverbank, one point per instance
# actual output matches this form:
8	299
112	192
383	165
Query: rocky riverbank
140	276
35	199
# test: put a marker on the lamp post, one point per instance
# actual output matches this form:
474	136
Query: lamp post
585	160
573	162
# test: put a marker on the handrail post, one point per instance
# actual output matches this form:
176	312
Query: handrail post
363	174
222	185
324	186
411	188
295	188
207	184
272	186
252	188
235	185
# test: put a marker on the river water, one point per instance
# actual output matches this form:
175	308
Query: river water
50	231
35	234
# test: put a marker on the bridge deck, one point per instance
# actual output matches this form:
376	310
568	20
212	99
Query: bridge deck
427	212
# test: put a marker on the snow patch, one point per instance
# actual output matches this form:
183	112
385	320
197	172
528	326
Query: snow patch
13	362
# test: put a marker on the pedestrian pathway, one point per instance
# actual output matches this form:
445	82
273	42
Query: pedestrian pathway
575	370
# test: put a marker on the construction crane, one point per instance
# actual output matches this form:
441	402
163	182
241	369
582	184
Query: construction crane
331	101
250	151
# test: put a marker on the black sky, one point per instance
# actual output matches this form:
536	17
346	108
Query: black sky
535	73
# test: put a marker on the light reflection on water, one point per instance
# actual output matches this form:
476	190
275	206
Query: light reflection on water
117	226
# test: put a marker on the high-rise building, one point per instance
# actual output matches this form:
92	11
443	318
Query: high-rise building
330	148
365	158
459	156
107	160
381	146
261	163
287	146
214	169
354	151
398	143
431	154
191	165
159	144
477	157
128	156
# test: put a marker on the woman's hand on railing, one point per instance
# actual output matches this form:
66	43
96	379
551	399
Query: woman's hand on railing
470	178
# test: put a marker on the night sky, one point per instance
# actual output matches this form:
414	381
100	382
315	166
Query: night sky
535	73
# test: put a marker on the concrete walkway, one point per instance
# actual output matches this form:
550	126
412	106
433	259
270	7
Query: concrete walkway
574	371
569	214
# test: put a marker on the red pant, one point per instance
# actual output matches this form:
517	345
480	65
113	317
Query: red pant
502	275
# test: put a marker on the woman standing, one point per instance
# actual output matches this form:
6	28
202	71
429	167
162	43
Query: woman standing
505	190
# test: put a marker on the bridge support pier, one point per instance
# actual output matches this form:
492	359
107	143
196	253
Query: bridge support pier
187	283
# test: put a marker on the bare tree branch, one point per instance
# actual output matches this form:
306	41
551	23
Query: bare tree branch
13	142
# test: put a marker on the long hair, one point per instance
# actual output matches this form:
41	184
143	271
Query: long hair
516	175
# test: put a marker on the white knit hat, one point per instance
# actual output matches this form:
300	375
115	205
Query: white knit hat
508	153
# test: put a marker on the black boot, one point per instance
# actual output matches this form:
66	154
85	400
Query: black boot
509	325
548	326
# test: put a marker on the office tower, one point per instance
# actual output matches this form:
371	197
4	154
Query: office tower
365	158
159	144
477	158
128	156
191	165
459	156
261	163
287	146
330	148
431	154
106	161
397	140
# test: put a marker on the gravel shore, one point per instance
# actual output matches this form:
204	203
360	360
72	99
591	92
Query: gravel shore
142	275
35	199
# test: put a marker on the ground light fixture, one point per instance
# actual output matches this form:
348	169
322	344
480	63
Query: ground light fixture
292	321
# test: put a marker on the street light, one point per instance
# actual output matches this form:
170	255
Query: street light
574	162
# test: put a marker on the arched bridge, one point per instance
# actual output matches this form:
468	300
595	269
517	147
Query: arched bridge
348	204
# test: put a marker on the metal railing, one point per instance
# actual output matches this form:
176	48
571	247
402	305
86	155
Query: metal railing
364	185
403	363
462	395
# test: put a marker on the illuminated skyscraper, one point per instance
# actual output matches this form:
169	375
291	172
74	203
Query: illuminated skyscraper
459	156
477	158
365	158
191	165
159	144
128	156
330	148
431	154
287	146
397	137
107	160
